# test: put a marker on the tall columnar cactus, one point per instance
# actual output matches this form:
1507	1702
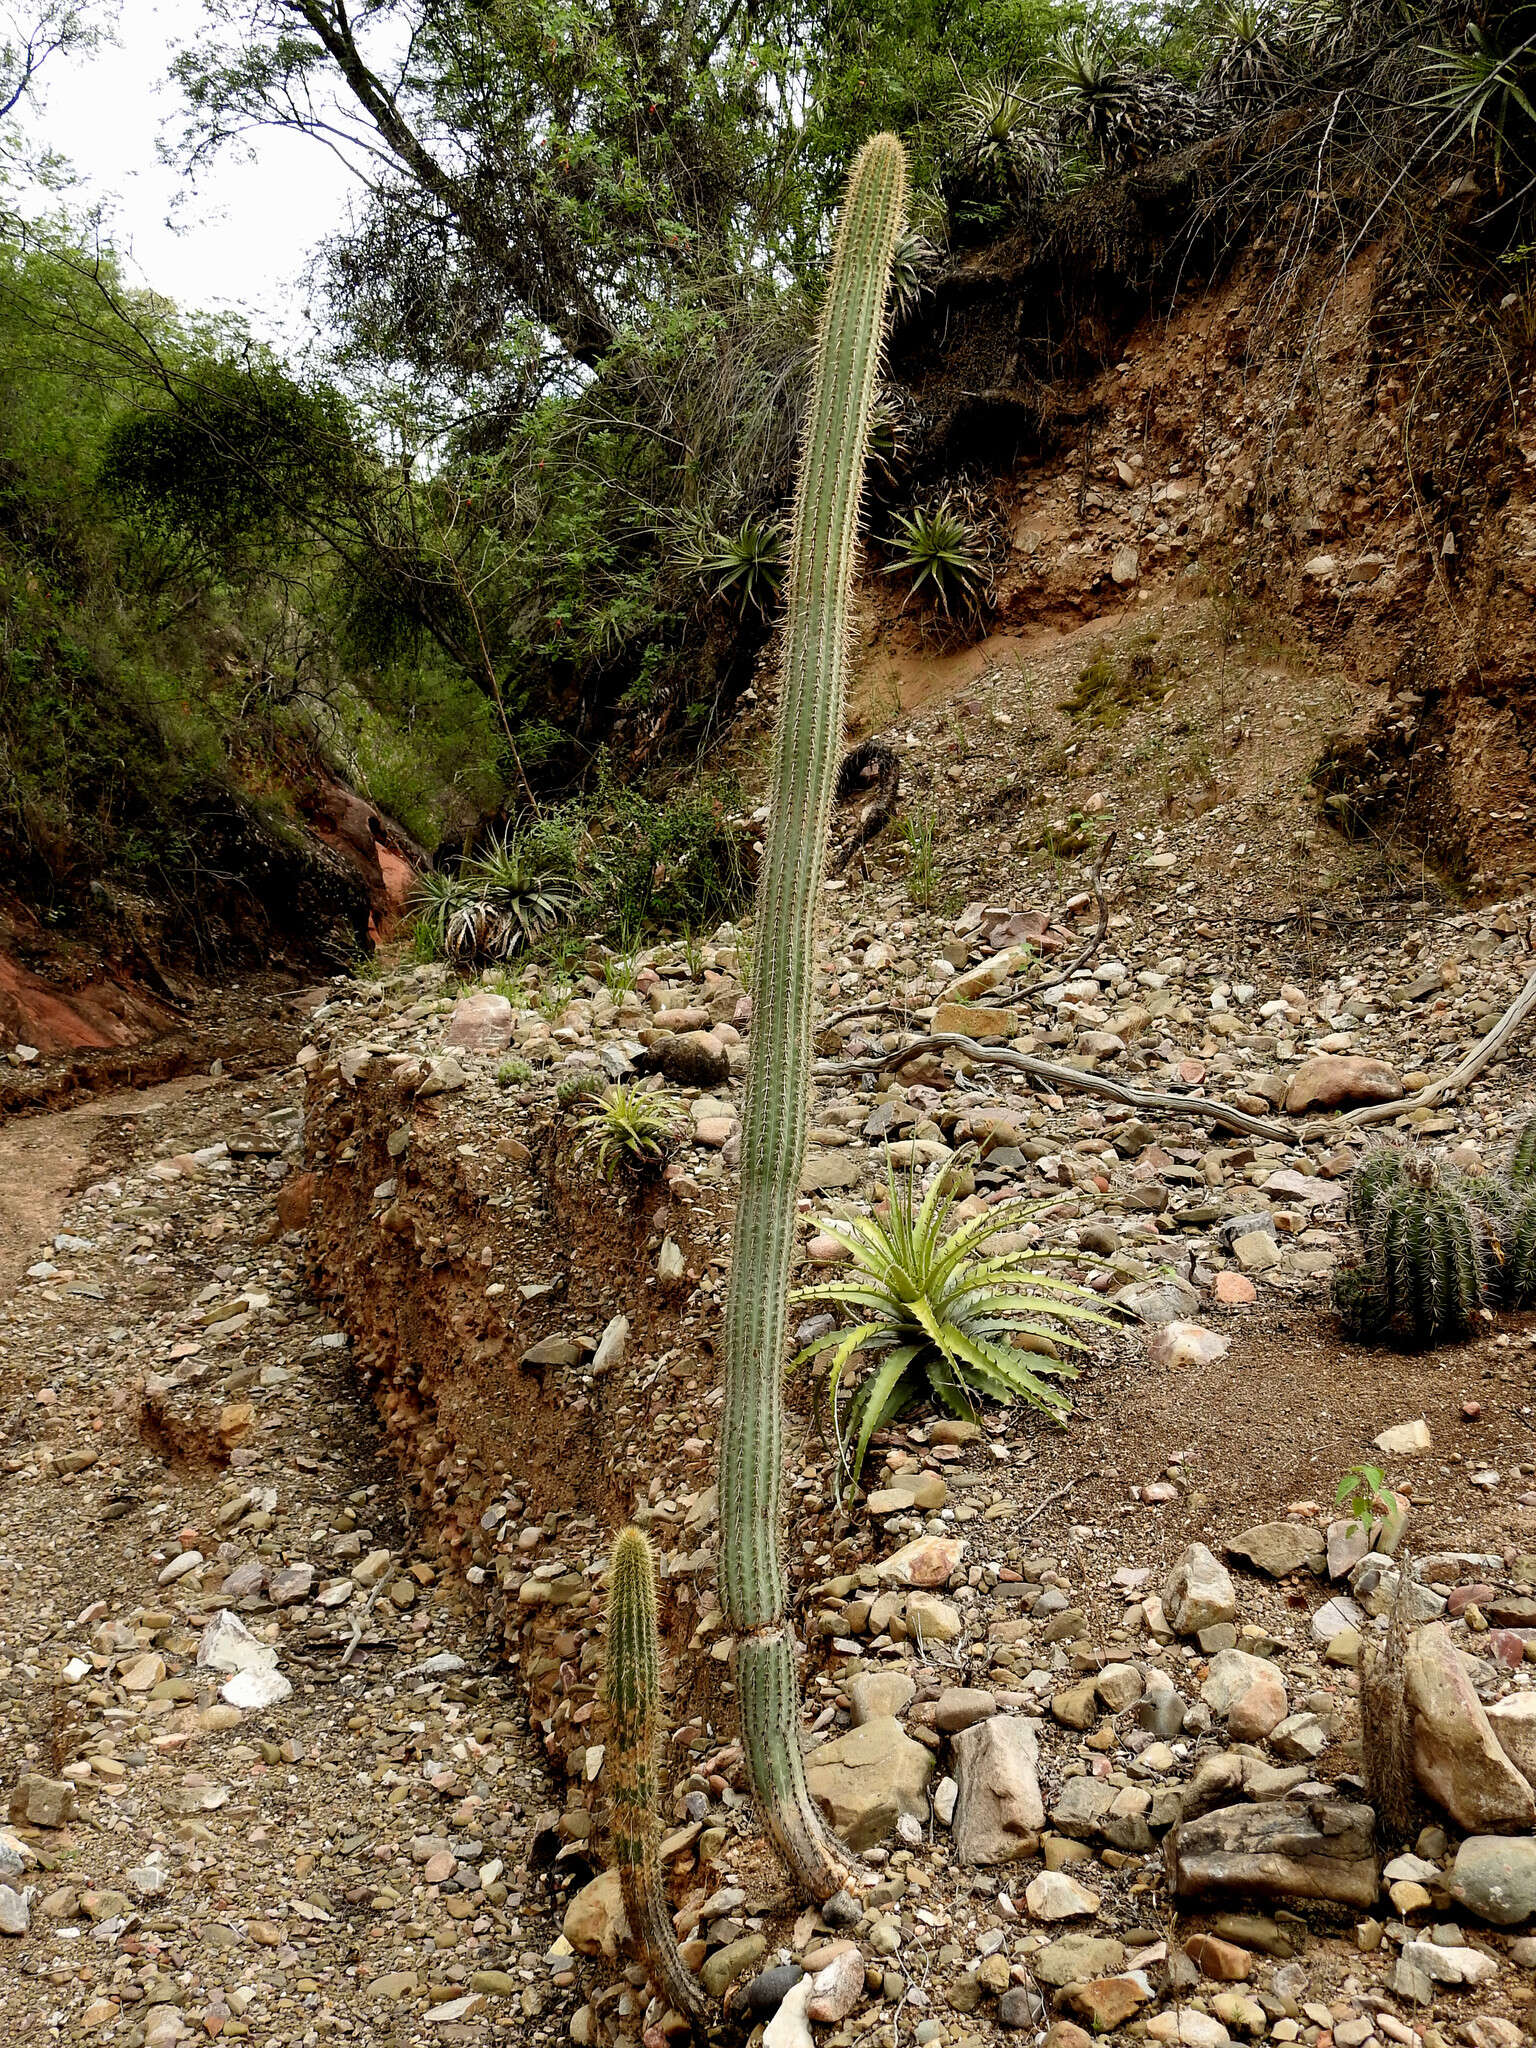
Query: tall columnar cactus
632	1693
808	745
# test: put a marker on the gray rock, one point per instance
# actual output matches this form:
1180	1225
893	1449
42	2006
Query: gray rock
1449	1964
998	1809
688	1059
1300	1738
444	1077
1198	1593
1219	1780
1293	1849
1278	1548
15	1910
1494	1876
1090	1809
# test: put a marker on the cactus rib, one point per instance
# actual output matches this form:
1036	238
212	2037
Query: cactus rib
824	539
632	1693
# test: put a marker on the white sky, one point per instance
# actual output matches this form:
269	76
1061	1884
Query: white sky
241	238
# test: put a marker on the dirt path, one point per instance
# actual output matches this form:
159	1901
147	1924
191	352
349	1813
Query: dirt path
179	1435
42	1160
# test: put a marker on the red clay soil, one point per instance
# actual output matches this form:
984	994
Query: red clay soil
92	1018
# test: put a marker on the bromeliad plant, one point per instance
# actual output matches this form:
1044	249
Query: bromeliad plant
631	1127
934	1315
939	552
496	904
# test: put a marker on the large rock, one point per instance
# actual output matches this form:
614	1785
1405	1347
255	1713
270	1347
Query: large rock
39	1802
867	1779
998	1809
481	1023
1514	1726
1456	1756
1494	1876
1293	1849
1278	1548
1247	1692
688	1059
1338	1080
1198	1593
594	1921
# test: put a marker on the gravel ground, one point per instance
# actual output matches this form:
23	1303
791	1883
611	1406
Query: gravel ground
179	1435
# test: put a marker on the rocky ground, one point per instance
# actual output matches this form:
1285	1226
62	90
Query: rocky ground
1086	1699
313	1820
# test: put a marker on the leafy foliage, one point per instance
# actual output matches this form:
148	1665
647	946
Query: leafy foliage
747	564
934	1315
633	1128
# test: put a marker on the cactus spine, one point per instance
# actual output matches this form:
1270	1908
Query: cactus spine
632	1693
806	753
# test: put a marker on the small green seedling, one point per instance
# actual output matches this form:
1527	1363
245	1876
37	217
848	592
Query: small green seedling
1364	1495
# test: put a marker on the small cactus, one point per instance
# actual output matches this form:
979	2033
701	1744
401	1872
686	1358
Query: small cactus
1522	1163
632	1694
1426	1253
578	1084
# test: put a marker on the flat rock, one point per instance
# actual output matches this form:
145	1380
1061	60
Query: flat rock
928	1561
1278	1548
867	1779
1456	1755
998	1808
1405	1439
1494	1876
1076	1958
1339	1081
875	1693
1293	1849
1055	1896
1106	2003
1451	1964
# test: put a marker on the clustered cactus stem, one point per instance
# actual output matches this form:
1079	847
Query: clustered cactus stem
1436	1248
823	547
632	1694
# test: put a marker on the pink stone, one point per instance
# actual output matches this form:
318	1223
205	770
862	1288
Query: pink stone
1235	1289
481	1023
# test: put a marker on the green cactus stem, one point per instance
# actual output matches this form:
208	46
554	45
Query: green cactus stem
632	1694
1522	1164
823	546
1426	1252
